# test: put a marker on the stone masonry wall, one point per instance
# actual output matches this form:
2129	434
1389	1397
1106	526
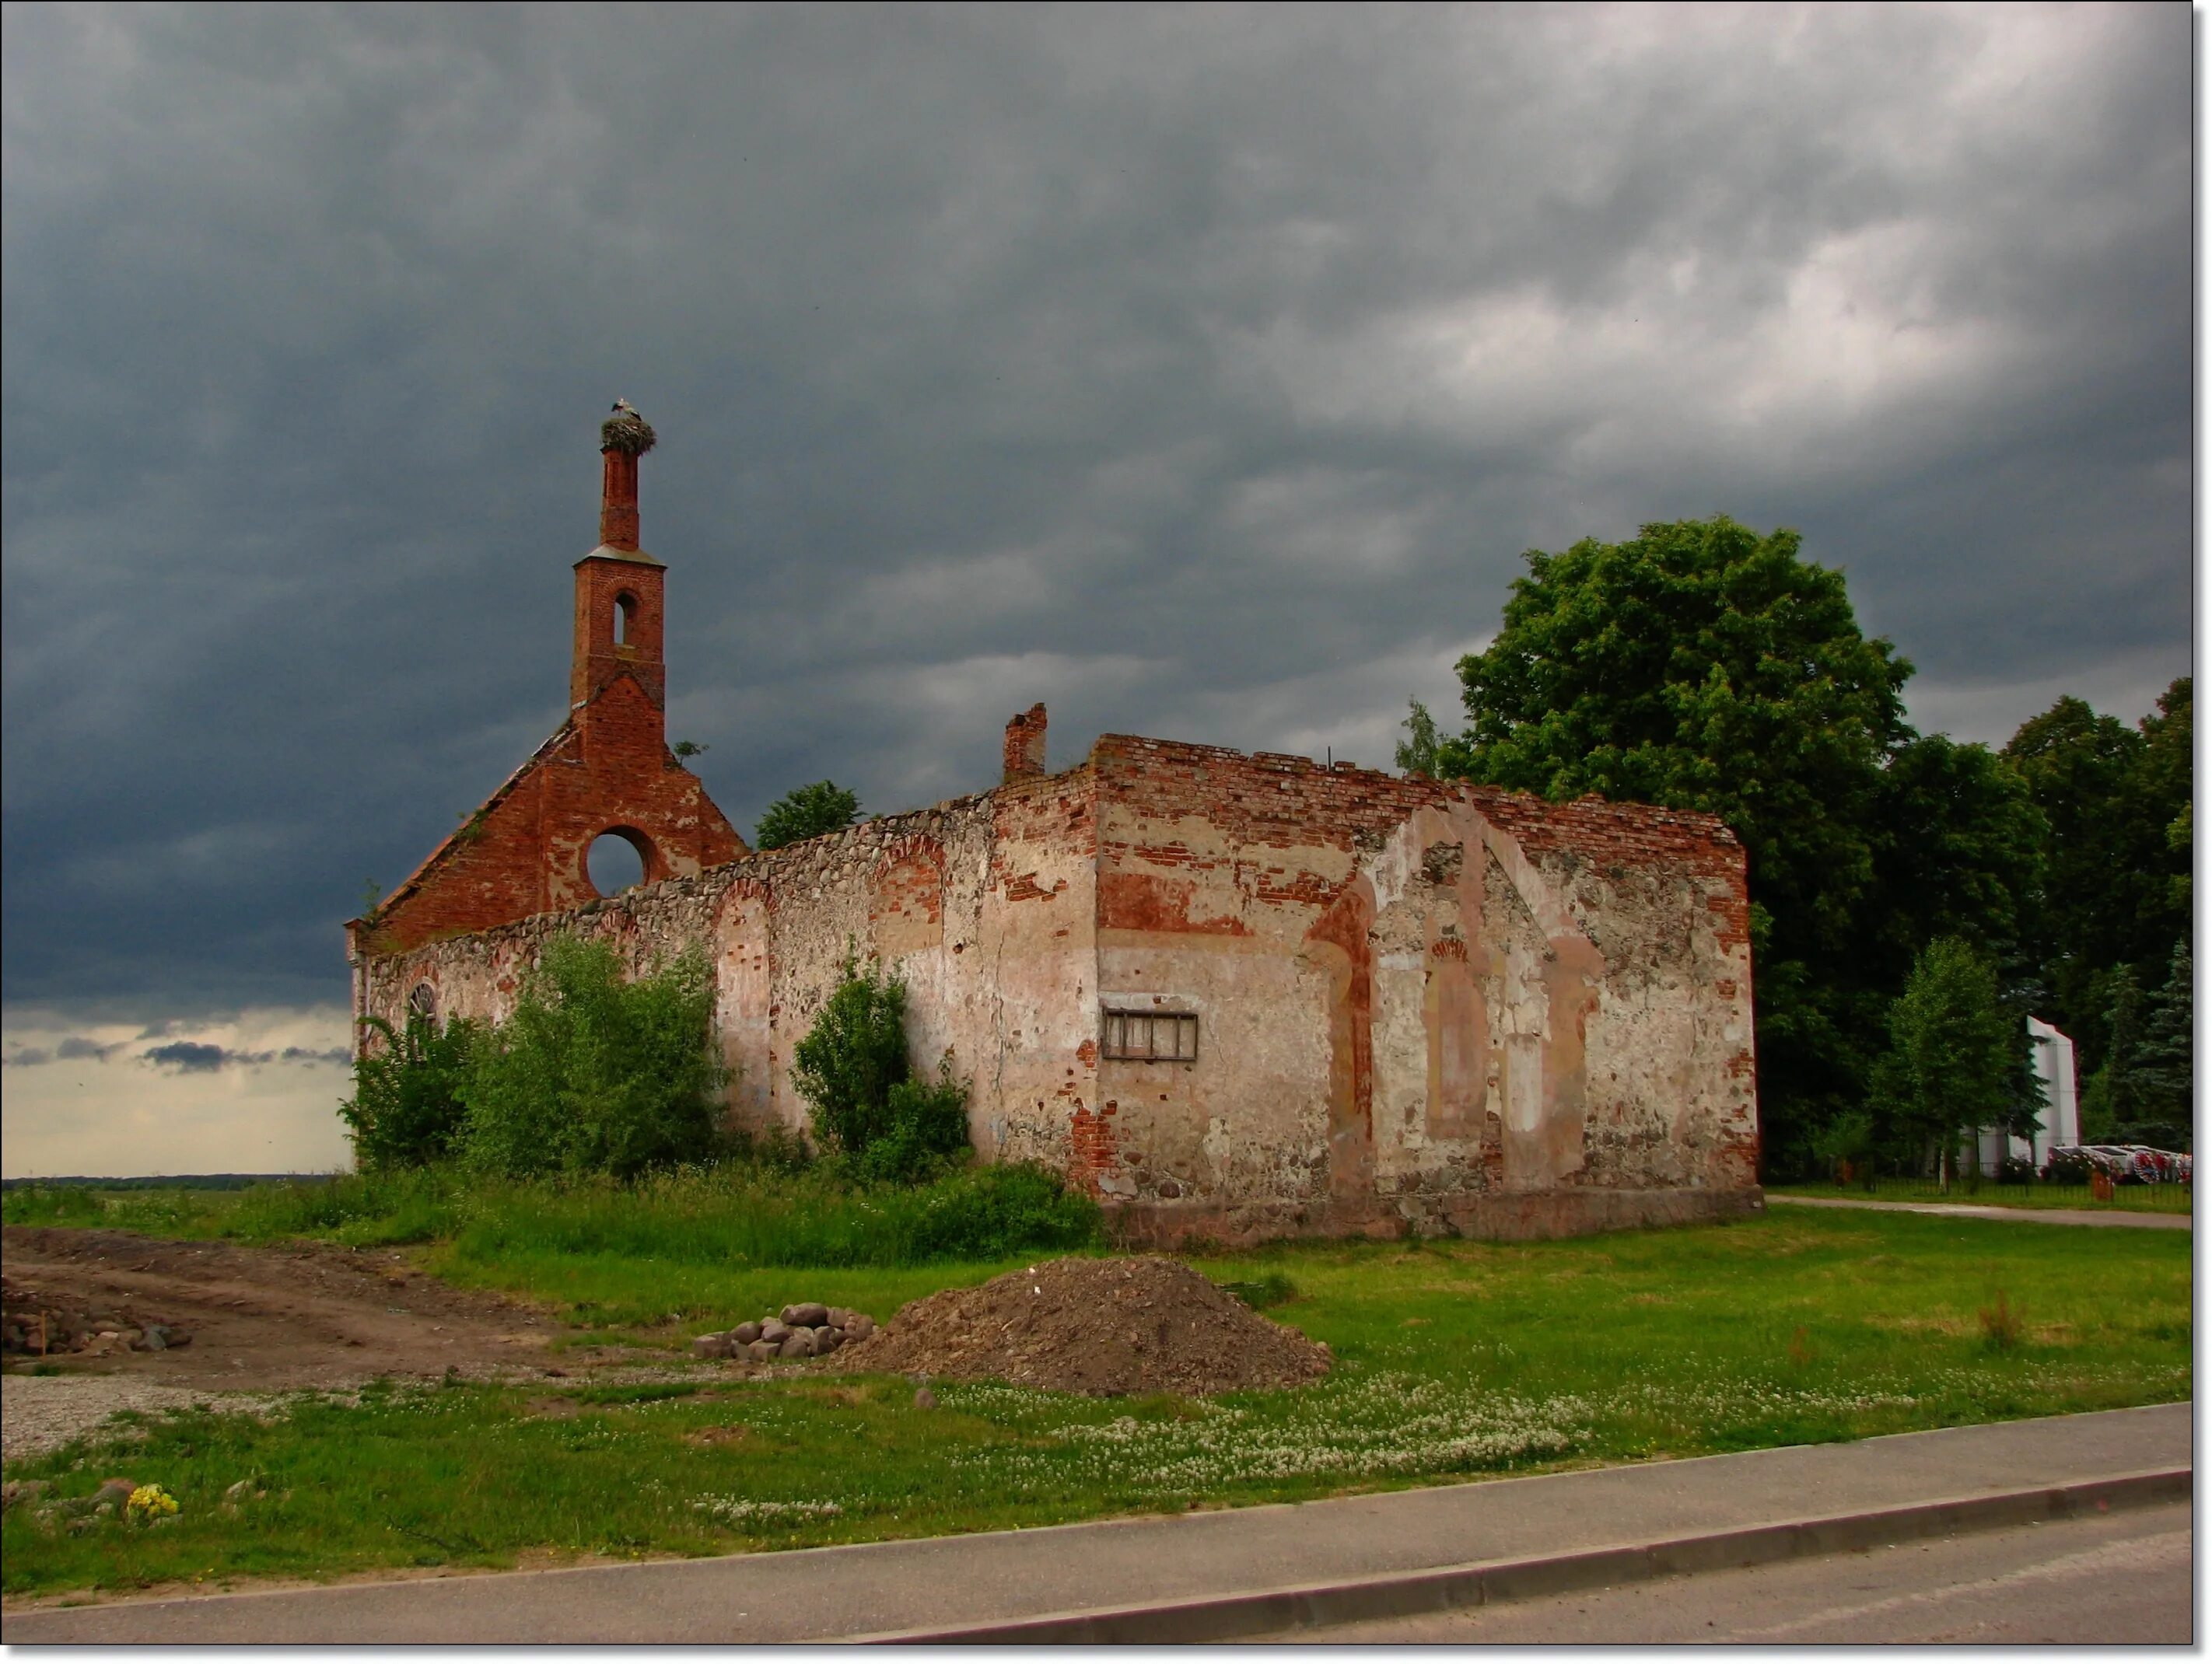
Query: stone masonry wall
983	905
1419	1006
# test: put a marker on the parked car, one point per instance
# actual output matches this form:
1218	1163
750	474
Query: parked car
2124	1163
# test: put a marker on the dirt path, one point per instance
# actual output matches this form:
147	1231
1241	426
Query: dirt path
2031	1216
264	1319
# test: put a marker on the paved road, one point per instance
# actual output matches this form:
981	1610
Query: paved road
2022	1216
1012	1577
2123	1580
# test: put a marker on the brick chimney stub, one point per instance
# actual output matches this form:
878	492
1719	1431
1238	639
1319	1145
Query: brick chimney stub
1024	755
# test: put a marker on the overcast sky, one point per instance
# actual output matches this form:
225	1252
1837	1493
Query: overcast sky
1202	372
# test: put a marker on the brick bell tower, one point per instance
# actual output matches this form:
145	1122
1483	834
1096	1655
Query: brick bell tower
606	771
618	585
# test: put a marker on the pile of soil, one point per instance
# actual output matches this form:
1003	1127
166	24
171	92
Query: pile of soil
1143	1325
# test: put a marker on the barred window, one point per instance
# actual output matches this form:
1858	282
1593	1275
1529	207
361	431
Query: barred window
423	1001
1151	1036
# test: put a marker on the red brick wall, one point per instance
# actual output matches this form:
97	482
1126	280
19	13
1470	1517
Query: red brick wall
1268	800
602	583
523	853
1024	755
609	768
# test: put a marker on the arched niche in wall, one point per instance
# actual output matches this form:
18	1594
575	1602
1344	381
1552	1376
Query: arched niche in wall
745	984
906	898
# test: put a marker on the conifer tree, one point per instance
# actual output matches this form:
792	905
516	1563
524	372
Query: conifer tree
2163	1065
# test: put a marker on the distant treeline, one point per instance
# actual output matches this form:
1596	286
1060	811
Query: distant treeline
166	1181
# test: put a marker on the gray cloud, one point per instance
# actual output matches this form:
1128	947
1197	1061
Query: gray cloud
71	1049
1204	372
204	1057
75	1047
189	1057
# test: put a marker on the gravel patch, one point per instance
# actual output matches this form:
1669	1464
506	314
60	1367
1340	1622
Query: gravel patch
39	1413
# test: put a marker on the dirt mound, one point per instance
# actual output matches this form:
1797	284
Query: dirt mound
1143	1325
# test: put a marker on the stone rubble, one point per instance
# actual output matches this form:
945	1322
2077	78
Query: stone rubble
808	1329
39	1328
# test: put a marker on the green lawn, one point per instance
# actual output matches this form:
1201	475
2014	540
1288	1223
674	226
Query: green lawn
1454	1359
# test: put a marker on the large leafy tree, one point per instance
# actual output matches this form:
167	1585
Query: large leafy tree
1703	665
806	811
2116	801
1959	851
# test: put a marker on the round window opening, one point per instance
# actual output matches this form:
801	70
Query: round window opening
615	863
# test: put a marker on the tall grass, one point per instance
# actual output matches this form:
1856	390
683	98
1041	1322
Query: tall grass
734	1214
726	1216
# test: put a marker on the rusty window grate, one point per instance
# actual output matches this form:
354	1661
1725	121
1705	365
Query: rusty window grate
1150	1037
423	1001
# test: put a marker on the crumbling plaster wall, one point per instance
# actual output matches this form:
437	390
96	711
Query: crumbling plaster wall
1419	1007
983	905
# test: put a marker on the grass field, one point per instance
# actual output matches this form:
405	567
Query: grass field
1454	1359
733	1214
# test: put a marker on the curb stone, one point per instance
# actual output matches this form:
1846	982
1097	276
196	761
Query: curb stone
1314	1606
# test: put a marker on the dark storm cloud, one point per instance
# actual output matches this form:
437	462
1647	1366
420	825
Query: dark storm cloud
188	1057
204	1057
1201	372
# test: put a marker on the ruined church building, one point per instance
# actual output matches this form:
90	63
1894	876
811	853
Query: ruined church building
1240	996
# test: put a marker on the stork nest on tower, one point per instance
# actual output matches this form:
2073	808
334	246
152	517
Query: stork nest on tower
626	431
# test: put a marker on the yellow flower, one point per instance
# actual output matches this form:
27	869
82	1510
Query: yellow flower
148	1502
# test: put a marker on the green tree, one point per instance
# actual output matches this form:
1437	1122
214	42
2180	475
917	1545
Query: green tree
851	1068
1959	850
406	1109
2118	852
806	811
2143	1091
2114	1097
1702	666
1421	752
1949	1069
595	1073
853	1056
2166	1072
